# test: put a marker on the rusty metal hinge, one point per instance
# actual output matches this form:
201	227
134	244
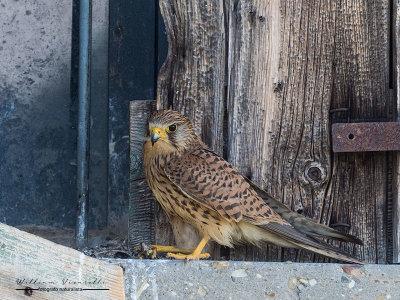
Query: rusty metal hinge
360	137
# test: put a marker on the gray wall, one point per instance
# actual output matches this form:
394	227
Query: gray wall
38	108
38	113
37	137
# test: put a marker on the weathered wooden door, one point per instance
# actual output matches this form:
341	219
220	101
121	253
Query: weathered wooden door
263	81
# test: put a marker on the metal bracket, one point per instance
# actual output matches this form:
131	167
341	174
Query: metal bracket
361	137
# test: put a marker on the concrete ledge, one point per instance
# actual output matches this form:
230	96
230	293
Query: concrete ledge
167	279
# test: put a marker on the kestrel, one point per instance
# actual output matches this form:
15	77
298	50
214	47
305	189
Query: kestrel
196	186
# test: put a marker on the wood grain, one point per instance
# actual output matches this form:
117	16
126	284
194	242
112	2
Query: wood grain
27	258
192	79
254	89
148	223
141	201
288	98
288	64
361	83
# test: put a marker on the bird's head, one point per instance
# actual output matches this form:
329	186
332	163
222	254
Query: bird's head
169	131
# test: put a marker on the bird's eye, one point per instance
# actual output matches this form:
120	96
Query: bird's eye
172	128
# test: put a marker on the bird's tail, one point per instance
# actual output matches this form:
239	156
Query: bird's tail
303	224
300	240
331	252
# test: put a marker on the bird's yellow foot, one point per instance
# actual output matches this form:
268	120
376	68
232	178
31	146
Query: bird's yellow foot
188	257
195	255
161	248
152	251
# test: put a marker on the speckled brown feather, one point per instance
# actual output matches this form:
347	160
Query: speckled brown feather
212	181
196	186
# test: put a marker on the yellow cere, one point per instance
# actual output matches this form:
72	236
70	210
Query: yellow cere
159	132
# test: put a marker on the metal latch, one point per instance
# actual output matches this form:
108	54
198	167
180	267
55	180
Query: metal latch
361	137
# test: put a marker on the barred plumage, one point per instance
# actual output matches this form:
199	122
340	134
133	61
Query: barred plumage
196	186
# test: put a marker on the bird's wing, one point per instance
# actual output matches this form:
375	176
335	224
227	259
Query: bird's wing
303	224
212	181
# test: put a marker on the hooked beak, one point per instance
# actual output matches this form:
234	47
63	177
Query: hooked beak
154	138
156	134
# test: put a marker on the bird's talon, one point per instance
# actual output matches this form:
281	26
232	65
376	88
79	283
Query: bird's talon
188	257
160	248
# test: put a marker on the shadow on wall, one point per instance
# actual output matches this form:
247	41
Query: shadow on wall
38	114
37	162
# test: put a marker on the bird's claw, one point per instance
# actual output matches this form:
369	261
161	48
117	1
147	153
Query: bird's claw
188	257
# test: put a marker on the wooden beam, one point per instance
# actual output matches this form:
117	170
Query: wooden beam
36	265
141	201
148	223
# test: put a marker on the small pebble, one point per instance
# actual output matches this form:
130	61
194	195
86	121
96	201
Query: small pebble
240	273
258	276
355	271
292	283
220	264
312	282
352	284
272	295
303	281
201	291
344	279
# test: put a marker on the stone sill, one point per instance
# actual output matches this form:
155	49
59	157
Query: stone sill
168	279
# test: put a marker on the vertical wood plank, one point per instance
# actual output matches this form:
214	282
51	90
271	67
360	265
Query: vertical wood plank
289	63
162	43
192	77
147	221
361	83
141	201
396	166
279	97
